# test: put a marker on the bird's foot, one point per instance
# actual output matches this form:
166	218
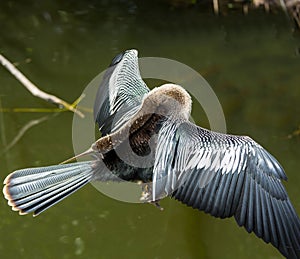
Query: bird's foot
157	205
146	197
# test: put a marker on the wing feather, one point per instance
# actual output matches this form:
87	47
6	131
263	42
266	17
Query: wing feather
120	93
226	176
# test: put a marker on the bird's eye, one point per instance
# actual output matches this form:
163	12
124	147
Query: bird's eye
117	59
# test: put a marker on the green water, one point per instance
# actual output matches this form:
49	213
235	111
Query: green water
252	62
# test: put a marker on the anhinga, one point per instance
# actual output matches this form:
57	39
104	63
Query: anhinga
223	175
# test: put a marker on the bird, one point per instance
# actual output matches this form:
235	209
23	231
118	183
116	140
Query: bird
221	174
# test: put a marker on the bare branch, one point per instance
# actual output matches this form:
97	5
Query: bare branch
34	89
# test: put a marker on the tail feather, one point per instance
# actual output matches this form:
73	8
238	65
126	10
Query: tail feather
29	174
32	202
37	189
53	199
42	194
21	186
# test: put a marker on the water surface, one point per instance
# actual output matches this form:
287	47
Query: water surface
252	62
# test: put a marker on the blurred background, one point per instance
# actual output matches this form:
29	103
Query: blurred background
249	56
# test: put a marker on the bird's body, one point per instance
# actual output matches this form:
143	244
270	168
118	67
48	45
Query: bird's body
141	132
223	175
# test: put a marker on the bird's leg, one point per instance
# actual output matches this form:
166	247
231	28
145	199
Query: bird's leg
157	205
147	196
146	193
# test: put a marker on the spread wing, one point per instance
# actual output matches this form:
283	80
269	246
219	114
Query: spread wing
120	92
226	176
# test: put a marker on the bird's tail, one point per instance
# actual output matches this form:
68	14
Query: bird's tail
37	189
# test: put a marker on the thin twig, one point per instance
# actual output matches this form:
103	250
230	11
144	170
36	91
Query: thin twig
23	130
34	89
2	128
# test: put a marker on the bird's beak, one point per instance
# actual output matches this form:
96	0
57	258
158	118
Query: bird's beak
87	152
